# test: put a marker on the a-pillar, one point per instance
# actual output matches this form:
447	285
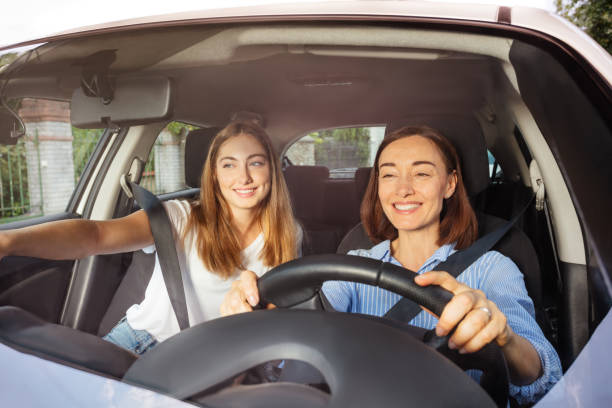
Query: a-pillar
49	154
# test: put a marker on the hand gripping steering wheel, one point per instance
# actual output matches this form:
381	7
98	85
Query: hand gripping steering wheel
365	361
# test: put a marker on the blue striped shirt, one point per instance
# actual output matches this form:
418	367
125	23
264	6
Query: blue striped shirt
493	273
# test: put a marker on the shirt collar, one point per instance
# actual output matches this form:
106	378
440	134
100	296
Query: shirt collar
382	251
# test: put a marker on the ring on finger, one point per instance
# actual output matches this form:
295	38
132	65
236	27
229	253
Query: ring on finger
487	311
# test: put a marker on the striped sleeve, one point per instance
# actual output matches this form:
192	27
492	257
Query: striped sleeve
504	285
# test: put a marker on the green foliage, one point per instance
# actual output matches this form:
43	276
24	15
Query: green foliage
593	16
14	198
176	128
7	58
344	147
83	144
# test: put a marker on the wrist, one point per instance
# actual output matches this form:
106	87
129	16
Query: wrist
507	338
5	244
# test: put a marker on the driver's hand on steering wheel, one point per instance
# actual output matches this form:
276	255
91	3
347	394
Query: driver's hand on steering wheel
243	295
478	319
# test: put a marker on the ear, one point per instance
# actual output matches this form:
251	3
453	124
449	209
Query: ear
451	184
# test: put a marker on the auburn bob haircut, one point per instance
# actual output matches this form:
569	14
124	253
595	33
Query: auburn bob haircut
457	219
211	217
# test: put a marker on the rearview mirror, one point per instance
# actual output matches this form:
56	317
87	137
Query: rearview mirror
135	101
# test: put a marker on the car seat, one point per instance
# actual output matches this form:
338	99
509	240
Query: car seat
306	186
466	135
131	290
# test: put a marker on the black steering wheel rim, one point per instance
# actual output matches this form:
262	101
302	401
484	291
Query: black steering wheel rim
386	366
297	284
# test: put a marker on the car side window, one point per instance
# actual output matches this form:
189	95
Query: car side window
165	168
495	170
342	150
39	171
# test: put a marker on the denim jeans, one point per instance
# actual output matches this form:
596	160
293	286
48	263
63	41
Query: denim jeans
136	341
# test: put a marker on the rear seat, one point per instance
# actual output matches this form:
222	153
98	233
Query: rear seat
307	186
132	288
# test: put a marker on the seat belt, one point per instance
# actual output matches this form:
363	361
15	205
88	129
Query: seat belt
166	250
405	310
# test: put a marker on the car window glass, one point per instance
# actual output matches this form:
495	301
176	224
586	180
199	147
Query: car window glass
165	169
342	150
495	170
39	172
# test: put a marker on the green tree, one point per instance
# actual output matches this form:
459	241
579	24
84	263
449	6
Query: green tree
343	147
14	200
594	17
177	127
7	58
83	143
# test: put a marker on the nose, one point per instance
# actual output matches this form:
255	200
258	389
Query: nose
245	175
404	186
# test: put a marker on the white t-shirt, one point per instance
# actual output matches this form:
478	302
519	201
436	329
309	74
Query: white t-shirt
204	290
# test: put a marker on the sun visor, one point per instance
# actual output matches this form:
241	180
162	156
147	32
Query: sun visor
132	101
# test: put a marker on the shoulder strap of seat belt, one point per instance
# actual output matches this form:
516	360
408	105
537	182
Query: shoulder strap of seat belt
405	310
166	251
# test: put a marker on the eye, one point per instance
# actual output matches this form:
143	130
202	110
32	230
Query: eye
227	165
421	174
387	175
258	163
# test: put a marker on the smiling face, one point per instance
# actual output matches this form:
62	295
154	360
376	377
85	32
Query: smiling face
243	172
413	181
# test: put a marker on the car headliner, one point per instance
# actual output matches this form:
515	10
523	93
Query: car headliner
537	21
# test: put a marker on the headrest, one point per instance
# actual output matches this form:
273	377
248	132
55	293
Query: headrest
306	189
197	144
465	134
306	174
362	176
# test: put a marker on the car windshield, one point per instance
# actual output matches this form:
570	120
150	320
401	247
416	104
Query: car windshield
85	115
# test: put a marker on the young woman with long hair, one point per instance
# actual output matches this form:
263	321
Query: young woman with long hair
241	221
417	211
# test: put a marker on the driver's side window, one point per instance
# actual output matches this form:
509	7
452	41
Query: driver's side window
39	171
165	168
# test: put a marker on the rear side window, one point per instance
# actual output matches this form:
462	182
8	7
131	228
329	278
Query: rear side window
39	171
165	169
342	150
495	170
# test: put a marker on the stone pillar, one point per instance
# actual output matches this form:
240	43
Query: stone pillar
376	136
169	163
50	166
302	152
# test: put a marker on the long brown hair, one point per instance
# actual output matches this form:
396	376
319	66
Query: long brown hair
457	219
216	241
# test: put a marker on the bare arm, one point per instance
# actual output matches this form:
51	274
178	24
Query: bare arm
75	239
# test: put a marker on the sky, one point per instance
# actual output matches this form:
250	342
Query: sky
29	19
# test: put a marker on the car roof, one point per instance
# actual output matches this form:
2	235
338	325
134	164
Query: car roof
536	21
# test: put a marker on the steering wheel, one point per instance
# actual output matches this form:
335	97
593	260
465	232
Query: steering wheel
365	361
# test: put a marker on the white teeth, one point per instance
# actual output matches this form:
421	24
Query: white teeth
405	207
250	190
